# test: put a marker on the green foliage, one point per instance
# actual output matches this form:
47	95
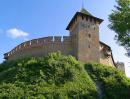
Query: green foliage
120	23
60	77
114	83
53	77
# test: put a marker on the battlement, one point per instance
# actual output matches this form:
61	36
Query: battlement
57	39
66	39
48	39
38	42
83	42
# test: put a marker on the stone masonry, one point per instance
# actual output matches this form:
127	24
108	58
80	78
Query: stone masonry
83	42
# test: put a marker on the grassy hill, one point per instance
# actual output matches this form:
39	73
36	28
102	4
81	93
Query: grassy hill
61	77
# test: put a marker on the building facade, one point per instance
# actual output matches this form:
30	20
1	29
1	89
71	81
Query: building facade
83	42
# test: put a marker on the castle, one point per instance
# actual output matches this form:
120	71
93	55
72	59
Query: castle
83	42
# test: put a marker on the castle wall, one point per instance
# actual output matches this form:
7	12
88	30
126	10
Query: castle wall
106	60
106	56
83	43
41	47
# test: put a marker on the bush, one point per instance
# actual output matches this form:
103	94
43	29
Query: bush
114	82
58	76
55	76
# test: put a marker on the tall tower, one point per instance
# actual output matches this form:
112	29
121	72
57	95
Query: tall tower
84	32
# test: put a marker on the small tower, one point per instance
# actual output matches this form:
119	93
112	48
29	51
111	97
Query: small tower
84	33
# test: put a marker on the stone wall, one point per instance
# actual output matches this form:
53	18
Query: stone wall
83	43
44	46
121	66
106	56
84	31
41	47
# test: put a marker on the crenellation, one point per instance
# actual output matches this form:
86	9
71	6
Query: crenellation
57	39
6	55
42	40
16	49
89	20
66	39
22	46
48	39
28	44
82	17
83	42
37	41
13	51
34	42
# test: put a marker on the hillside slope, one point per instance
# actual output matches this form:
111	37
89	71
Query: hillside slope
61	77
52	77
111	83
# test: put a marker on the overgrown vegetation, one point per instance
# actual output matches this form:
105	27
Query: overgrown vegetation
52	77
61	77
113	83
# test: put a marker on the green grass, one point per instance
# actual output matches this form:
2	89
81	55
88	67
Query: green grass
60	77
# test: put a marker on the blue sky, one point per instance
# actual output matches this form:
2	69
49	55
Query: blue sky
22	20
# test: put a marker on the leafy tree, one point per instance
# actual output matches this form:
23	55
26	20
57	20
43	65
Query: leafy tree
120	23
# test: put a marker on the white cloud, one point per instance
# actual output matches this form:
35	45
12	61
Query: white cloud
17	33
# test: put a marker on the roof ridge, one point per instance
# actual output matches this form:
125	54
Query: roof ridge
84	11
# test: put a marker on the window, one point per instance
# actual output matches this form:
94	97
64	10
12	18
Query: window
91	19
89	35
95	21
86	18
89	46
82	17
76	19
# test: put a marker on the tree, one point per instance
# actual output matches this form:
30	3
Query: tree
120	23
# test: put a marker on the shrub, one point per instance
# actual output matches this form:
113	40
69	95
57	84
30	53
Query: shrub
54	76
114	82
58	76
